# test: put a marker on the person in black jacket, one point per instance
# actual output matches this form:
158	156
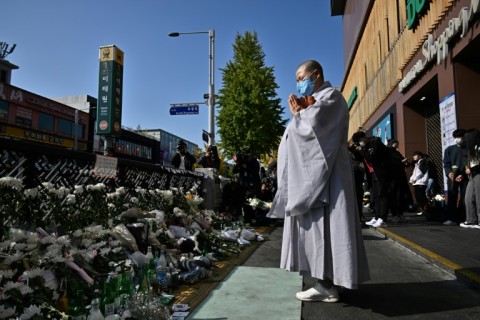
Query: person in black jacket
454	160
400	196
183	159
210	159
377	157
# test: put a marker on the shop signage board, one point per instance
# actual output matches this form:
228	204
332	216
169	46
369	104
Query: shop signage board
436	45
110	89
448	123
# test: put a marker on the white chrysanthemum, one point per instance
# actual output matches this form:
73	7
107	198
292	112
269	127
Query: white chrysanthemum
17	256
64	240
6	313
10	285
7	274
48	185
55	248
117	250
209	213
134	200
20	246
5	244
120	190
174	189
48	239
30	312
77	233
110	206
11	182
99	187
97	245
112	195
31	193
87	242
31	246
78	190
105	251
58	259
71	199
95	229
140	190
114	243
24	290
36	272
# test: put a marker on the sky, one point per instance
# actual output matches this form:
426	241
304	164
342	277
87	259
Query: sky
58	45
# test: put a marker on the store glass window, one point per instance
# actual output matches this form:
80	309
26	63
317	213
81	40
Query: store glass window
65	127
3	110
45	122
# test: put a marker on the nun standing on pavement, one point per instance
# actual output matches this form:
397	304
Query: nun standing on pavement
322	236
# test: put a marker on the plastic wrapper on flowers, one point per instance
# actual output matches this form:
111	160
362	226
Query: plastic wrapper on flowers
257	203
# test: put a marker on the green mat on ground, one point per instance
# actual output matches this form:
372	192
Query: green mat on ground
253	293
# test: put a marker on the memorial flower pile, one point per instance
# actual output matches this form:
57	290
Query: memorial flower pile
55	235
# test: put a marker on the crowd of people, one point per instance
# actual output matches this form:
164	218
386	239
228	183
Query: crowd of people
381	171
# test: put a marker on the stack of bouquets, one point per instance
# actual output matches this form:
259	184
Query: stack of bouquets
34	263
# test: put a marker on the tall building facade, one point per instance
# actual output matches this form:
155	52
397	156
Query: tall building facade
412	69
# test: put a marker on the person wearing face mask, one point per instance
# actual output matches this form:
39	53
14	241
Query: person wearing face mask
419	179
454	159
357	156
322	237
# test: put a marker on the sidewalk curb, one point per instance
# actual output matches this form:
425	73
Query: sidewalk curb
463	275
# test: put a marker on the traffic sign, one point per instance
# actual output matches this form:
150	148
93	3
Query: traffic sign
183	109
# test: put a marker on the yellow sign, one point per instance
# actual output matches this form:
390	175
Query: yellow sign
111	53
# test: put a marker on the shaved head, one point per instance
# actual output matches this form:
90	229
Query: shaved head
311	65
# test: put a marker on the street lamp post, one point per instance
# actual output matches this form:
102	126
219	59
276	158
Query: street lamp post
211	85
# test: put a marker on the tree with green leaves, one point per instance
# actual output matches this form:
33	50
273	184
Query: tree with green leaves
250	115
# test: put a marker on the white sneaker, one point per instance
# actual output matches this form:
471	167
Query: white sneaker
449	223
379	223
319	293
371	222
469	225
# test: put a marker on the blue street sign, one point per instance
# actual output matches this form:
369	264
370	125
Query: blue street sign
184	109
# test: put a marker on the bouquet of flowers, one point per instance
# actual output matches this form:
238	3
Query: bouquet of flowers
257	203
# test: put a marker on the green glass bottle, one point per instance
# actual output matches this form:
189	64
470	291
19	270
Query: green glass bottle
108	299
76	306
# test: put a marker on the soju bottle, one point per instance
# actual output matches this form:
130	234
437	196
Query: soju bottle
108	301
76	306
95	313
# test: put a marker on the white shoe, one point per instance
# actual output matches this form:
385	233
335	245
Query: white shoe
319	293
449	223
379	223
371	222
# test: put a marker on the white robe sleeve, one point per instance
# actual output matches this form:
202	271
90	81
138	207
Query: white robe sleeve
314	137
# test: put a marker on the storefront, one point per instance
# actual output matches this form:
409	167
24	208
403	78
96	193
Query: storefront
436	85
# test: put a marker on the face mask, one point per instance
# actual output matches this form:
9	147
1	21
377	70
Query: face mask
305	88
458	141
362	143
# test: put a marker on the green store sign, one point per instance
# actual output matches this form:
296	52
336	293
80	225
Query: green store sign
353	97
415	10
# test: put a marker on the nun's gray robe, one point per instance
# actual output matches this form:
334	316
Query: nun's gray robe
322	235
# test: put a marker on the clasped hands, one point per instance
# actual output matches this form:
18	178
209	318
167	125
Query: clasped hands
296	104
